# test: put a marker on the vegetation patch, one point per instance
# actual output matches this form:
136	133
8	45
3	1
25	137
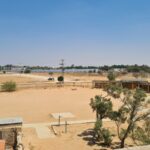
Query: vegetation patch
8	86
60	78
132	118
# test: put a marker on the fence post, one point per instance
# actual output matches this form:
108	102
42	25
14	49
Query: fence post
59	120
65	126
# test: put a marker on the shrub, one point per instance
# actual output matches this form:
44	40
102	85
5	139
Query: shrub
50	73
9	86
107	137
27	71
143	134
136	75
102	134
111	76
60	78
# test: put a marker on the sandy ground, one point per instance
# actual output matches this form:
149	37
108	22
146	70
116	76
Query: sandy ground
18	78
91	77
77	137
36	105
36	77
69	141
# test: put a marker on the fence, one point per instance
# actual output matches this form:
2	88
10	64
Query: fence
46	84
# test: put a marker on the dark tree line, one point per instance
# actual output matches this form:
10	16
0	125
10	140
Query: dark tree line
129	68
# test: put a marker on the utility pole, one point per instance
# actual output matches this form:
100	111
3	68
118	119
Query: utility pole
62	67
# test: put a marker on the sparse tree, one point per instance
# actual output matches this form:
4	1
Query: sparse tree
129	113
102	106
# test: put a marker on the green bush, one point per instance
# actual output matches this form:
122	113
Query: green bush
8	86
111	76
27	71
60	78
50	73
143	133
102	134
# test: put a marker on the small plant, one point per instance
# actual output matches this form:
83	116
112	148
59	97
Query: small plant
60	78
142	134
8	86
111	76
27	71
4	72
136	75
50	73
102	134
107	137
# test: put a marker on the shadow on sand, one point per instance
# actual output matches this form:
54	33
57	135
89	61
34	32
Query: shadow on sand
88	136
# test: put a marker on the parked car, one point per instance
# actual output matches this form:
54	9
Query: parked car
51	79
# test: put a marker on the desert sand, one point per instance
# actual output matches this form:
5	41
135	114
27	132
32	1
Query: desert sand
37	105
76	138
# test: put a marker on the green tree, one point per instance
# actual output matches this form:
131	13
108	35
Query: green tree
102	106
60	78
129	113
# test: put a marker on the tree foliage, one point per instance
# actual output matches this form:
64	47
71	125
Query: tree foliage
126	117
129	113
142	134
102	106
60	78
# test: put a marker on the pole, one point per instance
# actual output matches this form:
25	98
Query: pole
62	67
59	120
65	126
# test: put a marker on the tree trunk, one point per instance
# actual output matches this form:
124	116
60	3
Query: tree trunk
122	143
125	135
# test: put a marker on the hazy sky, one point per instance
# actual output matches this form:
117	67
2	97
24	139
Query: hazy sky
86	32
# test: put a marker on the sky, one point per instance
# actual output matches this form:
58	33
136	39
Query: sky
83	32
